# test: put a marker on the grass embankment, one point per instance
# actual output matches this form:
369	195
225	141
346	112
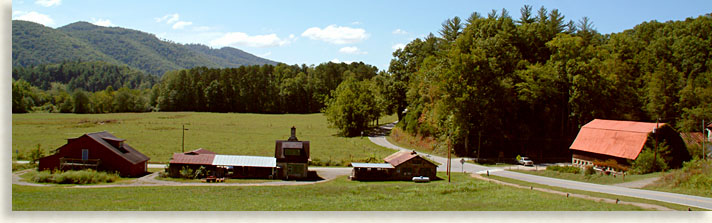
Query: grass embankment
463	194
594	178
419	143
695	178
594	194
158	134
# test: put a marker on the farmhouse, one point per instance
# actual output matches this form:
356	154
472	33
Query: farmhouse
622	141
101	151
402	165
292	157
232	166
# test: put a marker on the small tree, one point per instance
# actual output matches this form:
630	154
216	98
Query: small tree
648	161
35	155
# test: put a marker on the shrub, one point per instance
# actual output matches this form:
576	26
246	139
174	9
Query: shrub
612	164
564	169
35	155
75	177
648	163
589	170
17	166
186	172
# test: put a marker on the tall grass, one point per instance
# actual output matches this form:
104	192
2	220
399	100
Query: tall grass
695	178
159	135
74	177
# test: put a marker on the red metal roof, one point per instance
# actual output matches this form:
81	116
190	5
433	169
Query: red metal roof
399	157
197	159
201	151
623	139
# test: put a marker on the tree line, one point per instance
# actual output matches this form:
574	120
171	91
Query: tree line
508	86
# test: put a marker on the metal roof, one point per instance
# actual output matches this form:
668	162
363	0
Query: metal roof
130	154
372	165
623	139
251	161
196	159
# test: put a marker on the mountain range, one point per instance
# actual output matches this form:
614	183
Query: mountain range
34	44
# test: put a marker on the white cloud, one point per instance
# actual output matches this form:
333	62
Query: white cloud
336	34
48	3
102	22
399	32
351	50
174	19
398	46
33	17
181	24
242	39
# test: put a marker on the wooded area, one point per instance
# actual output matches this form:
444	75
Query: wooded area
525	86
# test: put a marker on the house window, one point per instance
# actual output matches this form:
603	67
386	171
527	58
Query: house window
85	154
291	152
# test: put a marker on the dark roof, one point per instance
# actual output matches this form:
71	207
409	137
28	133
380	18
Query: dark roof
130	154
402	156
623	139
692	138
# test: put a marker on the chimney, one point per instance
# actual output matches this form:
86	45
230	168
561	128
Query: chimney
294	135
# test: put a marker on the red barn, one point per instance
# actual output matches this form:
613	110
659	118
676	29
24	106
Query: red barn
101	151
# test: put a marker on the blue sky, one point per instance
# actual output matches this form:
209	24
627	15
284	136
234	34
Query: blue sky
313	32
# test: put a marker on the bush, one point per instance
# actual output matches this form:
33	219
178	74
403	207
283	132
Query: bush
75	177
36	154
17	166
564	169
187	172
648	163
589	170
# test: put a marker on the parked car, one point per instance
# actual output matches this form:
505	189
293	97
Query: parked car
421	179
526	161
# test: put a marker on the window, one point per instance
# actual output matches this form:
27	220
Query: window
291	152
85	154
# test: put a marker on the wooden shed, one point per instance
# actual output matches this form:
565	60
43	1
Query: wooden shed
232	166
101	151
402	165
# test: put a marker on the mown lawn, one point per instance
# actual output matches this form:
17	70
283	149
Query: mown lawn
463	194
158	134
595	178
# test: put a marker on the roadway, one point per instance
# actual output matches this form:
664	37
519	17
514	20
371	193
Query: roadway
682	199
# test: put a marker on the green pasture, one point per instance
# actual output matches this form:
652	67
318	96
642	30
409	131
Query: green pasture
463	194
158	134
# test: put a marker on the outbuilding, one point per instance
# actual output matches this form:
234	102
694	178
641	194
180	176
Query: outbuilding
622	141
101	151
292	157
402	165
232	166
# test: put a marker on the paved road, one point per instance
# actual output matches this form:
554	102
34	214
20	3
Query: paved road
687	200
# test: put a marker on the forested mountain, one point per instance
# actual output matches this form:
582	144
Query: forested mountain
34	44
89	76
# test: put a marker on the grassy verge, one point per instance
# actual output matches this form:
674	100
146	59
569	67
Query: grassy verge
695	178
159	135
463	194
601	195
595	178
242	181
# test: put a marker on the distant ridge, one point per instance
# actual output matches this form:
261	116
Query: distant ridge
35	44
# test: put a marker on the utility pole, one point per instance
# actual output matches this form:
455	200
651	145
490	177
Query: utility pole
448	160
704	138
182	146
655	153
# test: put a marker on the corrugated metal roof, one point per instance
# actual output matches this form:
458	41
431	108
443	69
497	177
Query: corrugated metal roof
130	154
372	165
623	139
399	157
201	151
251	161
197	159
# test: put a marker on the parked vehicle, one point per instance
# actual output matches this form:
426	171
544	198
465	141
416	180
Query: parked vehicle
421	179
526	161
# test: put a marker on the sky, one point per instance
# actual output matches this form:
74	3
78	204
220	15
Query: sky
314	32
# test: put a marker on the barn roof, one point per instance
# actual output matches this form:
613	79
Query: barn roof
623	139
201	151
372	165
189	158
692	138
250	161
127	152
402	156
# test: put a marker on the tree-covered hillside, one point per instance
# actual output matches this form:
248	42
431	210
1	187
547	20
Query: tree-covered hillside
34	44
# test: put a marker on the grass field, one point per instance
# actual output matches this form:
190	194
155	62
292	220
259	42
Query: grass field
463	194
158	134
595	178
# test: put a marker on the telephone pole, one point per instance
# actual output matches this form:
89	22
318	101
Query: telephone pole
182	146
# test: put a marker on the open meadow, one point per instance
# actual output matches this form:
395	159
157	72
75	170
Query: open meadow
463	194
158	134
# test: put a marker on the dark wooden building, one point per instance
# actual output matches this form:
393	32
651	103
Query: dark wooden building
292	157
101	151
402	165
